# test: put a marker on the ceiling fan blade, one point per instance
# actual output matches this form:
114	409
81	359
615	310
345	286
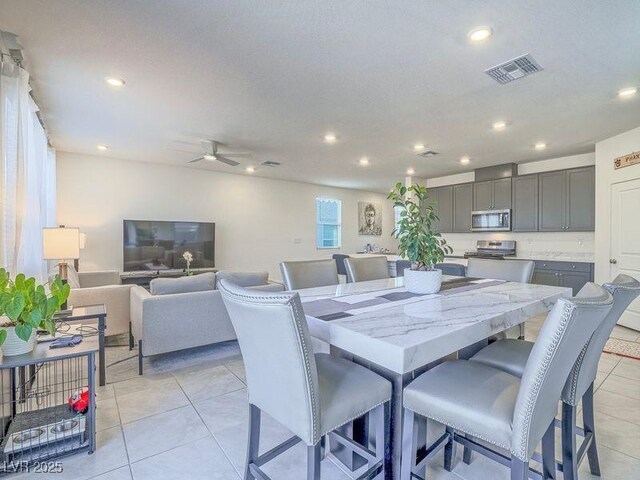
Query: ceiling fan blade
226	160
238	155
196	160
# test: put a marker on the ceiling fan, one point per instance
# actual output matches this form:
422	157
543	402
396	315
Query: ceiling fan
210	153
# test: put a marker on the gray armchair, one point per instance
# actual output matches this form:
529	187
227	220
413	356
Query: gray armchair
479	402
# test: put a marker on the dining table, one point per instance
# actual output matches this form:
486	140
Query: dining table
400	335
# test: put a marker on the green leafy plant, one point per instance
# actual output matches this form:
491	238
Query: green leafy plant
418	242
27	305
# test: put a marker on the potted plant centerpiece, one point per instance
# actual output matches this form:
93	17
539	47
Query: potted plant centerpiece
25	307
418	242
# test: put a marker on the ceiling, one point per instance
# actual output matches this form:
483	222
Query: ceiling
271	78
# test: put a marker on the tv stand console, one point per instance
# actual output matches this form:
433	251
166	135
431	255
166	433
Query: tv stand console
144	277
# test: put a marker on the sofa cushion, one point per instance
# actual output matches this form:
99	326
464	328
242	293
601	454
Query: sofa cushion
196	283
244	279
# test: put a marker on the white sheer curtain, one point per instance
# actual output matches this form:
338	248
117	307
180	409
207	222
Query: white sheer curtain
27	181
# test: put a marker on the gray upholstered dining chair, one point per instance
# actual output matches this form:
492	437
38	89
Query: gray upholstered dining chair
509	270
476	401
511	356
311	395
339	258
367	268
448	268
309	274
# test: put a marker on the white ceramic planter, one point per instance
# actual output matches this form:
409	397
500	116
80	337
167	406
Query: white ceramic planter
14	345
423	281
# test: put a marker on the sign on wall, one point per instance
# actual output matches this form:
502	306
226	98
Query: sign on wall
626	160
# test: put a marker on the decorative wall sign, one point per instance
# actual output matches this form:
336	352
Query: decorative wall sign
369	218
626	160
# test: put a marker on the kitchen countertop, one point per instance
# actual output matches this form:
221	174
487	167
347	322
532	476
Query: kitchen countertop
586	257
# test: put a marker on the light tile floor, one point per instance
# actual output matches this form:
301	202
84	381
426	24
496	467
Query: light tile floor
191	423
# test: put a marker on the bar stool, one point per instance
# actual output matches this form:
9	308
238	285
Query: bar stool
511	356
479	402
311	395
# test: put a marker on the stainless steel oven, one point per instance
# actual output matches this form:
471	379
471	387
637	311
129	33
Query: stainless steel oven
491	220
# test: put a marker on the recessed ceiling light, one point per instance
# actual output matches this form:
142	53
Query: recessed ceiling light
208	156
330	138
102	147
364	161
418	147
250	169
540	146
410	171
627	92
479	34
115	82
499	125
465	160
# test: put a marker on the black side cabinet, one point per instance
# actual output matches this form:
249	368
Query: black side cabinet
563	274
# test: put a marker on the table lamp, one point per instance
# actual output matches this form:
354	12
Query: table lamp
62	244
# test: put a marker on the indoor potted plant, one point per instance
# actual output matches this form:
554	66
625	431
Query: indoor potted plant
418	242
25	307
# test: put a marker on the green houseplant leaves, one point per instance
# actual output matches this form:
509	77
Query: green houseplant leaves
418	242
27	304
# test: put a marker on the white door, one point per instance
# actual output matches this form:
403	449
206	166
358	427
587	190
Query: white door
625	240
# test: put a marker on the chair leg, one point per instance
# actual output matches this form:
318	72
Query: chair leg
314	455
409	445
253	440
449	451
549	453
519	469
467	453
569	461
378	422
140	366
131	339
590	427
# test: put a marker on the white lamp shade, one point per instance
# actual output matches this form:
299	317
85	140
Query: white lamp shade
61	243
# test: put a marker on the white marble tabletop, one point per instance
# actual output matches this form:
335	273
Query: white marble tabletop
407	336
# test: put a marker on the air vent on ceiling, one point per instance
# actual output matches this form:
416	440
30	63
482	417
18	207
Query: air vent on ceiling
427	153
270	163
514	69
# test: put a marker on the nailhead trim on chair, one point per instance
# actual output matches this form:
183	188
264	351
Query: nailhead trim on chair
521	453
575	375
354	417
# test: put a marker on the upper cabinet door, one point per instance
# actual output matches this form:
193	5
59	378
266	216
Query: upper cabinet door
462	207
525	204
552	201
445	209
580	198
432	200
501	192
482	196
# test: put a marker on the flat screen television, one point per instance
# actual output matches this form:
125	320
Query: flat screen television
157	245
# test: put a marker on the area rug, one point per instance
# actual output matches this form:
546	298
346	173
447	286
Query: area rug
623	348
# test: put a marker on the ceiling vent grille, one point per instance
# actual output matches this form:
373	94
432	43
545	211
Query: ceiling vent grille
270	163
514	69
428	153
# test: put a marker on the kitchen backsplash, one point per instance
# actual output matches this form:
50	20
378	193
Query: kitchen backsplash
575	246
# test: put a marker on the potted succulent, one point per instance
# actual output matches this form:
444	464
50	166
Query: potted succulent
25	307
418	242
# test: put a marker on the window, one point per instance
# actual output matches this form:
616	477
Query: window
329	214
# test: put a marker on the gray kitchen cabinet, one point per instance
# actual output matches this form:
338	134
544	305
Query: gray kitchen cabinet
462	207
492	194
445	209
552	186
482	196
581	200
563	274
524	204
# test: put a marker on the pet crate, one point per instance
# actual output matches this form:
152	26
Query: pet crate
47	405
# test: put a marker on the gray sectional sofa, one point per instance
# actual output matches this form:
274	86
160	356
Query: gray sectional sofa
180	313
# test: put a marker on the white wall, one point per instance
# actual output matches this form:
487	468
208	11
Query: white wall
259	221
534	244
606	176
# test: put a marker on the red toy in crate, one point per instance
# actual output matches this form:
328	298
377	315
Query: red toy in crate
79	401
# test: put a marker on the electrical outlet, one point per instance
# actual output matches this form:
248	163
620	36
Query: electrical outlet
297	241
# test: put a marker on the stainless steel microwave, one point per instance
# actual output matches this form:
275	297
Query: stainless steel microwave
491	220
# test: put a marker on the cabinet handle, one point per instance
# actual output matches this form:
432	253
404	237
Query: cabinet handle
573	266
613	261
